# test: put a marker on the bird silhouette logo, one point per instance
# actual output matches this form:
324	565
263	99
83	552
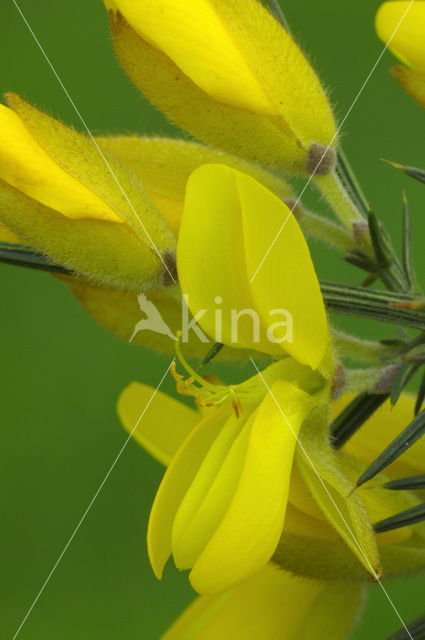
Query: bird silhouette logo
153	321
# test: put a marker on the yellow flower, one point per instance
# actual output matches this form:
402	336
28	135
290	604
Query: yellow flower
240	270
404	23
237	493
221	507
272	605
228	73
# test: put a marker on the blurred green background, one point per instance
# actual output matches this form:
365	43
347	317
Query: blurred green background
61	374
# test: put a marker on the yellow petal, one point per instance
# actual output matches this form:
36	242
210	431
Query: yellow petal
229	224
244	133
404	22
26	166
165	424
412	81
174	485
211	492
250	529
163	166
272	605
195	38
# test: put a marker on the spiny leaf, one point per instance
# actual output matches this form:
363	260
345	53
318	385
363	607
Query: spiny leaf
215	349
349	180
398	446
383	253
405	373
354	416
403	519
421	396
21	256
389	268
408	265
414	483
413	172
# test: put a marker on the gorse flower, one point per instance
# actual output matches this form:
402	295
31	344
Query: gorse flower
239	492
228	73
402	24
221	506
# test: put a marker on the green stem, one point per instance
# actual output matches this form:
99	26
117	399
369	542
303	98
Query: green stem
336	195
359	380
326	231
350	346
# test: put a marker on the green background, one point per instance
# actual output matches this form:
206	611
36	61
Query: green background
61	374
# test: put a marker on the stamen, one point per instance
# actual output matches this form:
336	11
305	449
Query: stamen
206	393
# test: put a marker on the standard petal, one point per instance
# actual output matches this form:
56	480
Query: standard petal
250	529
229	224
174	485
165	425
402	25
272	605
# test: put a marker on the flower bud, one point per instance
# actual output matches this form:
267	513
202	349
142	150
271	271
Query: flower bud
62	198
402	24
228	73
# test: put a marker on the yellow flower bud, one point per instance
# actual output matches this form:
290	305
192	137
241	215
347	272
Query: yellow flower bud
60	197
229	74
402	24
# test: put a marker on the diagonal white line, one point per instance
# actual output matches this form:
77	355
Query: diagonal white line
353	104
74	106
92	501
313	466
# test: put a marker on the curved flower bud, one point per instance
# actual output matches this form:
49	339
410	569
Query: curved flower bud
402	24
272	604
228	73
243	259
60	197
